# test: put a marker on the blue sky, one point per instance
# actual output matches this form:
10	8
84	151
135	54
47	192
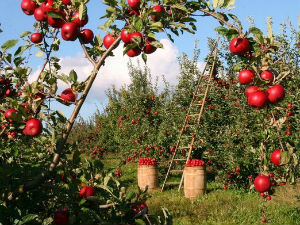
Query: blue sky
14	21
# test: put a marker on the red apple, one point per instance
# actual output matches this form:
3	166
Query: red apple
136	35
157	9
36	38
263	220
133	12
239	46
66	2
258	99
267	75
134	4
28	7
275	157
125	36
108	40
87	191
40	14
9	113
250	90
86	36
134	52
9	93
70	31
33	127
246	76
61	217
68	95
275	93
262	183
56	22
76	19
148	49
47	6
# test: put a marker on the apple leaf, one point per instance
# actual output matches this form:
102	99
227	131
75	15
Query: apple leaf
138	25
28	218
21	49
73	76
255	30
157	44
54	15
218	3
284	158
82	11
221	30
144	57
23	34
9	44
229	4
180	7
139	222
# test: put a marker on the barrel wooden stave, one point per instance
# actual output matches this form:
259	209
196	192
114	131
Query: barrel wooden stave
147	175
194	181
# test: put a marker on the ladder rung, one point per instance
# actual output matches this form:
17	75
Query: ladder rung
172	182
176	171
198	104
178	159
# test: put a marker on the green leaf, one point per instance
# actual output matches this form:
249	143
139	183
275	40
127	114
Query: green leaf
218	3
28	218
221	30
255	31
180	6
73	76
9	44
54	15
284	158
157	44
144	57
139	222
157	24
25	33
82	11
21	49
138	24
229	4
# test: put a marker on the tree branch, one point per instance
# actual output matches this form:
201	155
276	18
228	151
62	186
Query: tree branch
222	20
62	141
87	54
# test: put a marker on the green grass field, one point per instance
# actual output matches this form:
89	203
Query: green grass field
219	206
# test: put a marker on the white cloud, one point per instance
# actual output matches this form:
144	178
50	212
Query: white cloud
115	72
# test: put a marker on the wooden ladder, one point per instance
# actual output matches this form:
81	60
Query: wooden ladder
194	103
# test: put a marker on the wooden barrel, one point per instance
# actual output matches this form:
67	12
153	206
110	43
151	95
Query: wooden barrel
194	181
147	175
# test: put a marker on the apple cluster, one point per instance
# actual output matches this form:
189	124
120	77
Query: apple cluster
14	123
258	97
194	162
141	42
139	207
147	162
62	17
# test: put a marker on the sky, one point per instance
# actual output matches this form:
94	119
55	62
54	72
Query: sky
162	62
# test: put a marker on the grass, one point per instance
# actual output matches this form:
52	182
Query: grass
219	207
